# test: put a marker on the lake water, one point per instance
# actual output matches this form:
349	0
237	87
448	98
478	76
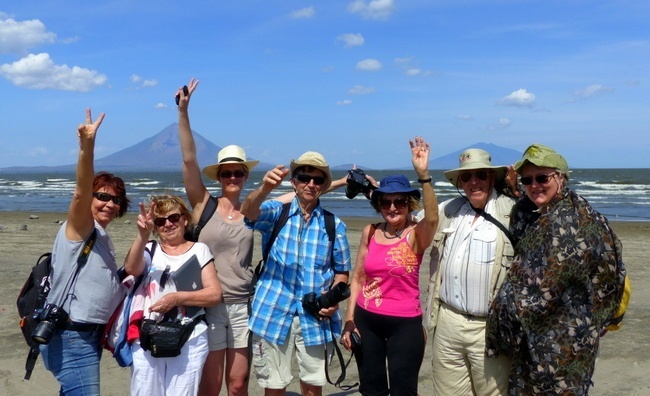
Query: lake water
619	194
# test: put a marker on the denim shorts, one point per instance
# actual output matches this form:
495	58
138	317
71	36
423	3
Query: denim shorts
73	357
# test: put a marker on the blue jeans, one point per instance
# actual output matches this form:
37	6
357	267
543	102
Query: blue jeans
73	357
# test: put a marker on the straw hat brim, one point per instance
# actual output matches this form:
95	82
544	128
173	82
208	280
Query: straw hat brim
211	171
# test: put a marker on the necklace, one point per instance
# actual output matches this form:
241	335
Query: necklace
398	234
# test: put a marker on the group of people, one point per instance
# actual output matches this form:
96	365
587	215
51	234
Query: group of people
522	283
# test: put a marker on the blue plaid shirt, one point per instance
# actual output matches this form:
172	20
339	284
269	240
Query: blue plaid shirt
299	263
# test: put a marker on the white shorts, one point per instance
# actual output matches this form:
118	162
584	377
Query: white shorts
272	362
227	326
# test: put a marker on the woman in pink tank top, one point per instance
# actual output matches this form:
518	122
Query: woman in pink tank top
384	310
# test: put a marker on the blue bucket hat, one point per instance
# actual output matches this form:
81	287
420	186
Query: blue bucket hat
395	184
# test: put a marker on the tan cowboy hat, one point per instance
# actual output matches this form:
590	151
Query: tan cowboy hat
471	159
315	160
232	154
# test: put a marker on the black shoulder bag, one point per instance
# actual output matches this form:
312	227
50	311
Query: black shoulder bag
193	231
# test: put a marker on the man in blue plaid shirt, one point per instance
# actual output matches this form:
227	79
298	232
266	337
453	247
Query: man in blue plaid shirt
301	261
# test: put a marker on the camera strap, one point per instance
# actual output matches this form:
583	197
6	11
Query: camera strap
81	262
34	351
342	363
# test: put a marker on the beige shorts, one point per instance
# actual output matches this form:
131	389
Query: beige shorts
272	362
227	326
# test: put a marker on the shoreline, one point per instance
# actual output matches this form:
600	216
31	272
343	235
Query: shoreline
620	370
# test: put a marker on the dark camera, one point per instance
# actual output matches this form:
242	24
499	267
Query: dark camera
355	341
49	318
186	92
357	183
313	303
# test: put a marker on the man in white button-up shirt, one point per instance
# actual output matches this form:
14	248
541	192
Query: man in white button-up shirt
469	260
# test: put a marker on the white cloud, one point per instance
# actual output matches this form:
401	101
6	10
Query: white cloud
160	105
502	124
344	102
18	37
136	79
304	13
592	90
369	65
520	97
361	90
374	9
464	117
40	72
38	151
414	71
403	60
352	39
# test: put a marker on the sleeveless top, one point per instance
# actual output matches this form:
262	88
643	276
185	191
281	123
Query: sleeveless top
232	247
392	279
97	291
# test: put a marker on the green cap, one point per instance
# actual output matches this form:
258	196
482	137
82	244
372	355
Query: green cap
544	157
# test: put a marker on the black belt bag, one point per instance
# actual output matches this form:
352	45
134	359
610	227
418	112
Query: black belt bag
166	339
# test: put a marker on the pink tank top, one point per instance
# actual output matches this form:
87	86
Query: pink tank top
392	285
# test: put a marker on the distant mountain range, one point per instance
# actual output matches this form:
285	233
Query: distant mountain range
162	152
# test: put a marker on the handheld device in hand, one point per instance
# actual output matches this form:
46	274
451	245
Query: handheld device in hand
186	92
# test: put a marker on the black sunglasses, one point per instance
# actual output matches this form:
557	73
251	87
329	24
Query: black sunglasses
229	174
540	179
173	218
105	197
400	203
467	176
304	178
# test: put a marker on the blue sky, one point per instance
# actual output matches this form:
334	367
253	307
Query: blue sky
352	79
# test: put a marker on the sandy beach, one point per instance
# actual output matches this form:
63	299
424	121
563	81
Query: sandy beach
621	369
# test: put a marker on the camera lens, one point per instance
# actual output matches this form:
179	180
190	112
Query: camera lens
335	295
44	332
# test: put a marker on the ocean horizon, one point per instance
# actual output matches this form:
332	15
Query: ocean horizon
619	194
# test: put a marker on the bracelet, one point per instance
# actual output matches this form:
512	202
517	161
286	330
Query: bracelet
422	181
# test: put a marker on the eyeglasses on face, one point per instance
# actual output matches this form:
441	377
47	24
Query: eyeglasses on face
105	197
173	218
399	203
467	176
304	178
228	174
540	179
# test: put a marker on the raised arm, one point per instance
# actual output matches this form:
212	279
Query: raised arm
134	261
80	220
426	228
197	194
272	180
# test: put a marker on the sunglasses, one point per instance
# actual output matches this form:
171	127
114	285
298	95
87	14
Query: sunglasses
105	197
161	221
400	203
467	176
304	178
228	174
540	179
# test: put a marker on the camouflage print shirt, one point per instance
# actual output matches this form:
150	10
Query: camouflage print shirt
564	284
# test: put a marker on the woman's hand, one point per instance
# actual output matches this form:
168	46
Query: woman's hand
420	150
145	220
165	303
348	328
88	131
184	100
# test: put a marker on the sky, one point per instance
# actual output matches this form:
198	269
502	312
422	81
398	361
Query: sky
352	79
